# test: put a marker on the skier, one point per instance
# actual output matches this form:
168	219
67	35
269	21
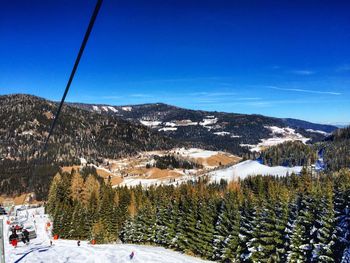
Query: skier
25	236
78	243
132	255
13	239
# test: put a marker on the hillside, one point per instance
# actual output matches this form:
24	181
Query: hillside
235	133
24	124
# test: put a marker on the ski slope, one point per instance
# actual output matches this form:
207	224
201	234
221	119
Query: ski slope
249	167
68	251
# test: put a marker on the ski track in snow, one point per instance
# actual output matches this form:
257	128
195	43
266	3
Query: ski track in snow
67	251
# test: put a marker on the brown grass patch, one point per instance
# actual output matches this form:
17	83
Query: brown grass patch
116	180
68	169
219	159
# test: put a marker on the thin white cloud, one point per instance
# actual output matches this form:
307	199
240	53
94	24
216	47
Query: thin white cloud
345	67
302	72
213	94
306	90
140	95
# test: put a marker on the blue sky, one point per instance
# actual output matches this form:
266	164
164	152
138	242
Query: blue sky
277	58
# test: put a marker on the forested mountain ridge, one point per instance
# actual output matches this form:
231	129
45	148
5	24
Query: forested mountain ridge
235	133
333	152
24	124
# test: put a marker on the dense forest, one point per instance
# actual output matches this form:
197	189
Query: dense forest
24	124
292	153
171	162
259	219
335	151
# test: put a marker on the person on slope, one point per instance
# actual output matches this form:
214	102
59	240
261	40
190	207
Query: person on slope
131	256
25	236
13	239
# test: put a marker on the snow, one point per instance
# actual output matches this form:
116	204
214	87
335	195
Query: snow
137	181
104	108
318	131
150	123
95	108
223	133
168	129
171	124
112	109
194	152
83	161
127	108
68	251
30	132
210	121
279	135
250	167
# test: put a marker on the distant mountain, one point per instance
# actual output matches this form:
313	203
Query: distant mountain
310	126
24	124
235	133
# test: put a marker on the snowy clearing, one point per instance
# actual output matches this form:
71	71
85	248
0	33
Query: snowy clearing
194	152
127	108
112	109
150	123
246	168
39	249
279	135
320	132
168	129
210	121
223	133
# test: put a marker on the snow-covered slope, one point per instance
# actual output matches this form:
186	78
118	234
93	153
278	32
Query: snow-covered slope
68	251
250	167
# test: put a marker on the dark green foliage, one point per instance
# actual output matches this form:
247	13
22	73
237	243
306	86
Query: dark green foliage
294	153
171	162
24	123
259	219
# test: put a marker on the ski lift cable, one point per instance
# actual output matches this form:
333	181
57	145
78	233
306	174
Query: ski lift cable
71	77
81	51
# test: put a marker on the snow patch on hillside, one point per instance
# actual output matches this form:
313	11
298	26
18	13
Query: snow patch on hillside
168	129
209	121
112	109
223	133
318	131
150	123
95	108
194	152
127	108
249	167
279	135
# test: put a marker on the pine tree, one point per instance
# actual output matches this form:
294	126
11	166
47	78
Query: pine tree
226	239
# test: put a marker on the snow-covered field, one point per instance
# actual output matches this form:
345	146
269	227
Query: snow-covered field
194	153
279	135
40	250
246	168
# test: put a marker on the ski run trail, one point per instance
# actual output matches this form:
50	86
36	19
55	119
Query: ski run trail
67	251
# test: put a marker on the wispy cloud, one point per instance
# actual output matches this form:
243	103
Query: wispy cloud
345	67
140	95
111	97
212	94
302	72
306	90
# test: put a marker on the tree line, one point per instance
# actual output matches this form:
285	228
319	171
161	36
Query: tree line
300	218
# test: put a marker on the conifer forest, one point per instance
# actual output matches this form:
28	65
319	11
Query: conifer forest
297	218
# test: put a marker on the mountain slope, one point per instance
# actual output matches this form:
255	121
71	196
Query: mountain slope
235	133
24	124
